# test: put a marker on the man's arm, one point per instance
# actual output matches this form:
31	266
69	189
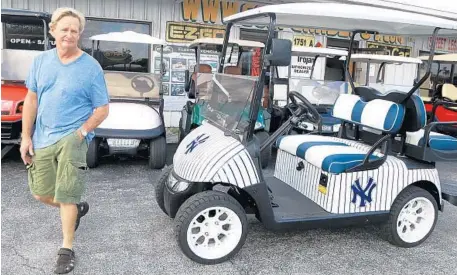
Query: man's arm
29	114
99	115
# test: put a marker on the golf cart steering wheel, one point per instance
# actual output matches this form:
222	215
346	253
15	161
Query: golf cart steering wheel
304	110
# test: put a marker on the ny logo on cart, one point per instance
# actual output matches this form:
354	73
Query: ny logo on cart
194	143
364	194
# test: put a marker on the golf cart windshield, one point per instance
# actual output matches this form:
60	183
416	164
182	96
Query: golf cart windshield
228	100
319	92
132	85
386	73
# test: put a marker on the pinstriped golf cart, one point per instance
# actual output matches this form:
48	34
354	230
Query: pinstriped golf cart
322	93
192	115
388	177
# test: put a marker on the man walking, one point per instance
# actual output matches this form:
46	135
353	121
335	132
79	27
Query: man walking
67	99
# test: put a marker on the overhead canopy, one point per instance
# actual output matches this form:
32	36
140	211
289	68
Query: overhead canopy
442	57
220	41
314	51
345	17
377	58
128	37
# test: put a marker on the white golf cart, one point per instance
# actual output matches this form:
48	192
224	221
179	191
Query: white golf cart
383	61
215	179
135	121
322	93
191	115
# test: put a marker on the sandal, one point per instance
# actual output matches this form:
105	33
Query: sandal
83	208
65	262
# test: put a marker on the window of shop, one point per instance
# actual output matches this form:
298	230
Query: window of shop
24	33
117	56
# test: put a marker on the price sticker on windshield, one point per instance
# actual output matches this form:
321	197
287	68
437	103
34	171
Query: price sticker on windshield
303	41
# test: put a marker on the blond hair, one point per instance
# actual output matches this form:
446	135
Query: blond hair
63	12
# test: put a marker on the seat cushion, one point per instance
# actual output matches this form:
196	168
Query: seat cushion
377	114
330	154
436	140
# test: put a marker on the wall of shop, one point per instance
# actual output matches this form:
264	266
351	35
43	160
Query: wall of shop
181	21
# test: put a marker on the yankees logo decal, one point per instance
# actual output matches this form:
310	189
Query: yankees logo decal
194	143
364	194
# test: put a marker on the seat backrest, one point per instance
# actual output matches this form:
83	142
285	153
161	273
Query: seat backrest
204	68
377	114
449	91
232	70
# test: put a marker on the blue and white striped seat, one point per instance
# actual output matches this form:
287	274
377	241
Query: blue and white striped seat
436	141
336	155
333	155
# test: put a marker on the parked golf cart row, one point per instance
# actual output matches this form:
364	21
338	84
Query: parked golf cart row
380	168
441	98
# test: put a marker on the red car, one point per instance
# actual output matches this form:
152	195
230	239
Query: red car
25	36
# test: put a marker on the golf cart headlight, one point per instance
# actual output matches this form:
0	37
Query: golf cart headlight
258	125
176	185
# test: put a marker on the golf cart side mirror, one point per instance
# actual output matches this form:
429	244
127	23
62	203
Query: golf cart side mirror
186	80
280	53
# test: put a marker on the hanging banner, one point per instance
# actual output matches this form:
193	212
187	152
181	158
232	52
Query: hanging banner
181	32
445	44
392	49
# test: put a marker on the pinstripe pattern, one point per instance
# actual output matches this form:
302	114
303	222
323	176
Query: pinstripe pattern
219	159
391	178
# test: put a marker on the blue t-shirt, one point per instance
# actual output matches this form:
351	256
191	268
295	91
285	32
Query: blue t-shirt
67	95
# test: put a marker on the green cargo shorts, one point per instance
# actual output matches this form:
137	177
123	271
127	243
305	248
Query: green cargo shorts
58	170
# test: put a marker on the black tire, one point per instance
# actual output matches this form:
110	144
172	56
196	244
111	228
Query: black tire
266	154
390	227
197	203
159	187
157	153
92	153
181	133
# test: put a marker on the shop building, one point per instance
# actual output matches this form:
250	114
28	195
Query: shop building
181	21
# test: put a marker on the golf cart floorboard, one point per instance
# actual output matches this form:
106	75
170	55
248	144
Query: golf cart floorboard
291	203
296	210
449	191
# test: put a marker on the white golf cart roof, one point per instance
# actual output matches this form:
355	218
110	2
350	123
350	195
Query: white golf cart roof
377	58
442	57
317	51
220	41
346	17
129	37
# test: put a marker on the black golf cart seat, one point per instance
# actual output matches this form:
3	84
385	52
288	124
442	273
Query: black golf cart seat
377	115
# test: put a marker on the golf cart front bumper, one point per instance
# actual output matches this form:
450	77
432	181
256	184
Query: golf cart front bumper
123	141
176	192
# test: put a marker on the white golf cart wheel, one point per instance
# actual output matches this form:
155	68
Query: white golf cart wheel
211	227
157	152
413	217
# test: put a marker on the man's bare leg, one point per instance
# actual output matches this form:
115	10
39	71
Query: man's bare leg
68	215
49	200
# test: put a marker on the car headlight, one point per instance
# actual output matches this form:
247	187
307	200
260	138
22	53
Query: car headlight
176	185
336	127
